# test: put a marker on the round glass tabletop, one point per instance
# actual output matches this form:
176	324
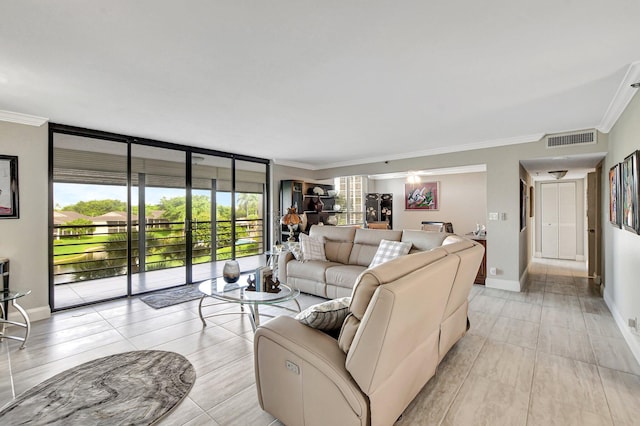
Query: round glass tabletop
6	295
237	292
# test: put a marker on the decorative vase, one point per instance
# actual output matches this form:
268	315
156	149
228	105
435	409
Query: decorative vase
231	271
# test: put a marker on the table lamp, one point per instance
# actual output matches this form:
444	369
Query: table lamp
292	220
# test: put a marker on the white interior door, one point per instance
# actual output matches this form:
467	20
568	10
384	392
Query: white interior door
567	241
549	207
559	238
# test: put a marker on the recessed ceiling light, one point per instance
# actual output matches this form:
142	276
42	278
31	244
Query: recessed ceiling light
560	158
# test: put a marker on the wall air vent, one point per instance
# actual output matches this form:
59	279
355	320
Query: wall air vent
568	139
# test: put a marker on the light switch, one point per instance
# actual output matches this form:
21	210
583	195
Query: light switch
503	216
493	216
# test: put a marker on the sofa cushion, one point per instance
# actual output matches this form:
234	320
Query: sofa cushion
311	270
366	242
389	250
338	241
296	250
326	316
422	240
312	249
343	275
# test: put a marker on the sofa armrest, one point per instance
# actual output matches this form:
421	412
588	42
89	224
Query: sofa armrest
300	372
283	259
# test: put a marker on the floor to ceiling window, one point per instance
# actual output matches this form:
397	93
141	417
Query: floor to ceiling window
130	217
350	199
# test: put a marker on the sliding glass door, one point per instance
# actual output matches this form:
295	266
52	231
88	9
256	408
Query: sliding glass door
158	218
89	257
129	217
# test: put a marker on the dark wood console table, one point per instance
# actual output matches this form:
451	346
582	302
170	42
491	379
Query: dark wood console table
482	271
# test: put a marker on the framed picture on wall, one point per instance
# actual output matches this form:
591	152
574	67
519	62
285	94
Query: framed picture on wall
8	187
532	190
629	179
614	195
422	196
523	205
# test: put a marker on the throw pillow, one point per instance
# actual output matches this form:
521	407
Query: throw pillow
312	249
389	250
296	250
326	316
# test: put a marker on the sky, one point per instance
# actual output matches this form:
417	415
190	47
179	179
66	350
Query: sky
66	194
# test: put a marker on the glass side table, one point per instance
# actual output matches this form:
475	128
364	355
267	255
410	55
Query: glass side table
13	296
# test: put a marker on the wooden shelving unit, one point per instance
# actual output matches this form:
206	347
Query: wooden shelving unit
310	198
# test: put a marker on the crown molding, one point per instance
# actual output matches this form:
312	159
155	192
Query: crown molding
16	117
621	99
438	151
296	164
434	151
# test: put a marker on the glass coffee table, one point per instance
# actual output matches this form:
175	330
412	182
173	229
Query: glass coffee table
224	292
13	296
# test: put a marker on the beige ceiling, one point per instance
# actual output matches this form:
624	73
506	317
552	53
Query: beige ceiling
321	83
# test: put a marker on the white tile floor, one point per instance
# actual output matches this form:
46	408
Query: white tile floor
549	355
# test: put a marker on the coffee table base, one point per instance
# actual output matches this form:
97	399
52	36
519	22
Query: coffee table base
253	312
26	324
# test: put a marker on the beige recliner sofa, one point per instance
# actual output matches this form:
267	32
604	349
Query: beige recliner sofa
349	252
404	316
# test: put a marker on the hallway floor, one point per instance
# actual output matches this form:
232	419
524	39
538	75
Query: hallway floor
549	355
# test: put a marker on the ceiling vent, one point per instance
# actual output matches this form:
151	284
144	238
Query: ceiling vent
567	139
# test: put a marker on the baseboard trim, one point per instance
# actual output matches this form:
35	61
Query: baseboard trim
35	314
511	285
523	278
632	340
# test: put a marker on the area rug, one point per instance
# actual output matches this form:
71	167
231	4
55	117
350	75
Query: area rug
173	296
131	388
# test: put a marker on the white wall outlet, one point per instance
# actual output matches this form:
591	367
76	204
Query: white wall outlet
493	271
493	216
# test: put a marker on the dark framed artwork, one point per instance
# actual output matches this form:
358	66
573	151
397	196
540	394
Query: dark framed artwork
523	204
629	179
422	196
9	187
614	195
532	190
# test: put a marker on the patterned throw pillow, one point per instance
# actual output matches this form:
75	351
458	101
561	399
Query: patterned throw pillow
312	249
389	250
326	316
296	250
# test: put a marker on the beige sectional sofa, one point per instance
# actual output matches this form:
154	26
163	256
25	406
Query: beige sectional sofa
404	316
349	252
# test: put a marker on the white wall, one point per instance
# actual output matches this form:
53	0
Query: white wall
622	248
24	240
463	201
504	243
